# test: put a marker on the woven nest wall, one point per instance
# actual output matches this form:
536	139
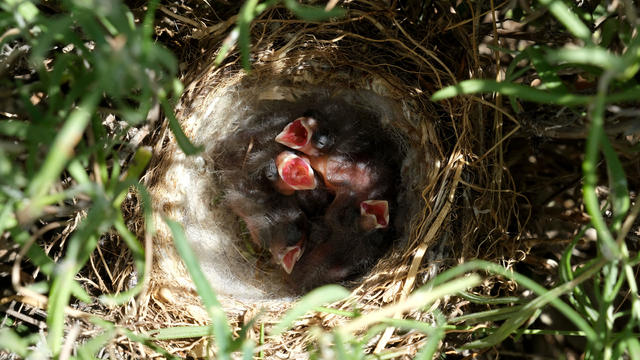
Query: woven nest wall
453	187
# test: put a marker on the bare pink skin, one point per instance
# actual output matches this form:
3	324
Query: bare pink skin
295	173
342	174
347	178
375	214
297	135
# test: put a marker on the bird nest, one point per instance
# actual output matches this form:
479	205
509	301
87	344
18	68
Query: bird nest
452	187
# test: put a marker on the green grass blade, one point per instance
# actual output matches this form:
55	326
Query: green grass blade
140	161
594	139
7	218
509	89
594	56
487	315
80	247
245	17
220	324
633	348
59	296
478	299
339	345
320	296
79	173
39	258
248	348
419	299
147	210
569	19
90	349
577	296
618	187
428	350
312	13
410	324
141	339
181	243
137	252
226	46
480	265
547	73
13	343
180	332
183	141
505	330
61	151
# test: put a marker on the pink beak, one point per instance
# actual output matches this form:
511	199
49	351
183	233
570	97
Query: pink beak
290	257
375	214
297	135
295	171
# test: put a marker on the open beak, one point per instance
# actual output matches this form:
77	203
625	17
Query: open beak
290	257
375	214
295	171
297	135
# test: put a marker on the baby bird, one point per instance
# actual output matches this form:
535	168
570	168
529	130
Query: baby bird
274	222
260	179
294	173
315	187
338	249
365	175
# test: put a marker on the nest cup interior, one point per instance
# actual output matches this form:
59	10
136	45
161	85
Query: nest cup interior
198	198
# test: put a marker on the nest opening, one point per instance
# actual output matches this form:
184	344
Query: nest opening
204	186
